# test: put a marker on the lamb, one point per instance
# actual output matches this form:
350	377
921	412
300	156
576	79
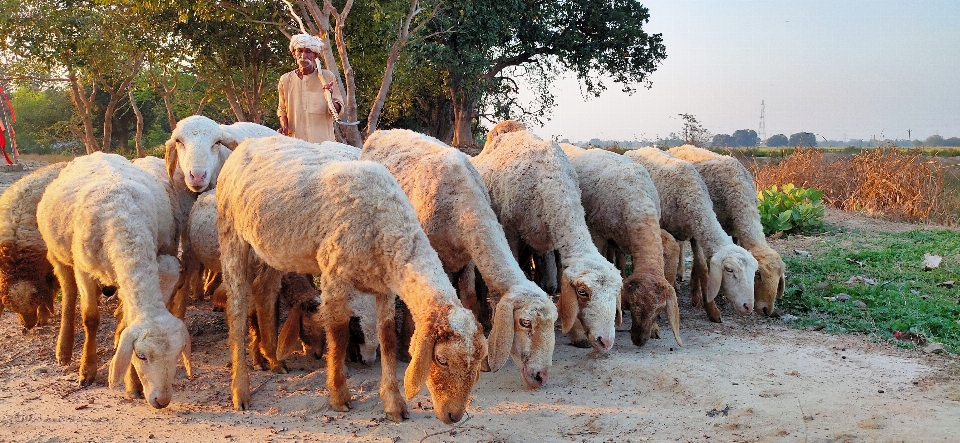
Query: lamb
454	210
622	207
105	220
534	192
200	146
687	214
735	202
357	230
27	283
304	324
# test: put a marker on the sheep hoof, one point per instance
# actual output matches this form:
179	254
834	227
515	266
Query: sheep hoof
345	407
279	368
135	394
398	417
86	381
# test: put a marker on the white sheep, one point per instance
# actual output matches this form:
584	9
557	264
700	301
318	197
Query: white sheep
105	220
454	210
535	193
27	283
622	206
735	202
313	209
687	214
199	146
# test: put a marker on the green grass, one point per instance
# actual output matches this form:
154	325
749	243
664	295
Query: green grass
905	298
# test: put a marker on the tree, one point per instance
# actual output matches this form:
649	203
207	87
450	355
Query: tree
803	139
480	45
43	118
721	141
777	141
693	133
933	141
745	138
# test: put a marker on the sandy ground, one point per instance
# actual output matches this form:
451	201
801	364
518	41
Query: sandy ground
746	379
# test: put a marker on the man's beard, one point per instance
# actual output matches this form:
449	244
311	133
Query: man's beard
306	64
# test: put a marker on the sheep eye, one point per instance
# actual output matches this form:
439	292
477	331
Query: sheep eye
140	355
582	292
441	360
757	276
525	323
727	269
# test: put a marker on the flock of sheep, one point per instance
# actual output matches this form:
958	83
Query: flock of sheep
247	217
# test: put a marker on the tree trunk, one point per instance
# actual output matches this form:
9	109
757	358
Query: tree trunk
463	113
138	138
84	106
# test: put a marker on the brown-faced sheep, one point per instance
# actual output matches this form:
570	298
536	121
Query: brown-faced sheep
622	207
687	214
735	203
107	221
27	283
312	209
454	210
535	193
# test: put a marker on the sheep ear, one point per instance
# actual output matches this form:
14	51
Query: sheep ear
171	157
229	139
289	334
186	352
421	353
673	314
121	358
715	278
500	342
569	307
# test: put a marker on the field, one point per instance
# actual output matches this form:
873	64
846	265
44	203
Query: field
746	379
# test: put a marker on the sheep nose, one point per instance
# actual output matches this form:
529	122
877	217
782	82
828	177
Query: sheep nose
159	403
197	178
604	344
454	417
765	312
747	308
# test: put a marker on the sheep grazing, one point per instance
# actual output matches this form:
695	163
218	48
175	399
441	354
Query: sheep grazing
454	211
623	208
535	193
105	220
27	283
687	214
200	145
735	202
357	230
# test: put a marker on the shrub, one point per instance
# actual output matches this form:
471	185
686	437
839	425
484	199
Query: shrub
790	209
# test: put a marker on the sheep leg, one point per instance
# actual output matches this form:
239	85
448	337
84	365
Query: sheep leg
237	276
578	336
134	386
394	404
90	312
266	290
336	310
68	313
260	362
698	281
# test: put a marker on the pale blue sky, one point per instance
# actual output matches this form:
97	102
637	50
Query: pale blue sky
840	69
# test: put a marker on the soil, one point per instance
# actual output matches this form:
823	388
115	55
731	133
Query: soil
746	379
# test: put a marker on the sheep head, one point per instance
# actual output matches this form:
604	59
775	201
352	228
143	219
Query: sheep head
589	290
27	284
447	351
769	282
198	146
734	268
156	343
523	328
363	307
650	295
503	128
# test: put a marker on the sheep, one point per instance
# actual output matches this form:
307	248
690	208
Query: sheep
296	292
27	283
687	214
200	146
622	206
735	203
454	210
534	192
105	220
313	209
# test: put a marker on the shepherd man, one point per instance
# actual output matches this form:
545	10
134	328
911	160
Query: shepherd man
309	96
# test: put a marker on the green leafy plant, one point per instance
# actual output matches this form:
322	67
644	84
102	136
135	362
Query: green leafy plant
790	209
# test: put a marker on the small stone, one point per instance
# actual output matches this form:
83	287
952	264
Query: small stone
842	297
860	304
949	284
821	286
934	348
547	413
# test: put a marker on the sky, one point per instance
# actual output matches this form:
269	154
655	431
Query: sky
840	69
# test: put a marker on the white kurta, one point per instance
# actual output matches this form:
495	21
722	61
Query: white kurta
304	104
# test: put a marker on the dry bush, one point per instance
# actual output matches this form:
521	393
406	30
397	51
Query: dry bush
882	182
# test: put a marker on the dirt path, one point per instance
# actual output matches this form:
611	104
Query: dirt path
747	379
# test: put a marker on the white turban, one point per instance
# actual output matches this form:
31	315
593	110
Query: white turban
306	41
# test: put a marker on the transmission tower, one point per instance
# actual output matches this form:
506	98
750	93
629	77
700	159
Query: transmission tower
762	133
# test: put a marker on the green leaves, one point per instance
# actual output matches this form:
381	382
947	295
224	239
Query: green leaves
790	209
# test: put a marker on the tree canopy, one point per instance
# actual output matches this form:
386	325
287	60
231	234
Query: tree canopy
803	139
777	141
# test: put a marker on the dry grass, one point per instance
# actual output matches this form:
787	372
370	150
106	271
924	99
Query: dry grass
902	185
